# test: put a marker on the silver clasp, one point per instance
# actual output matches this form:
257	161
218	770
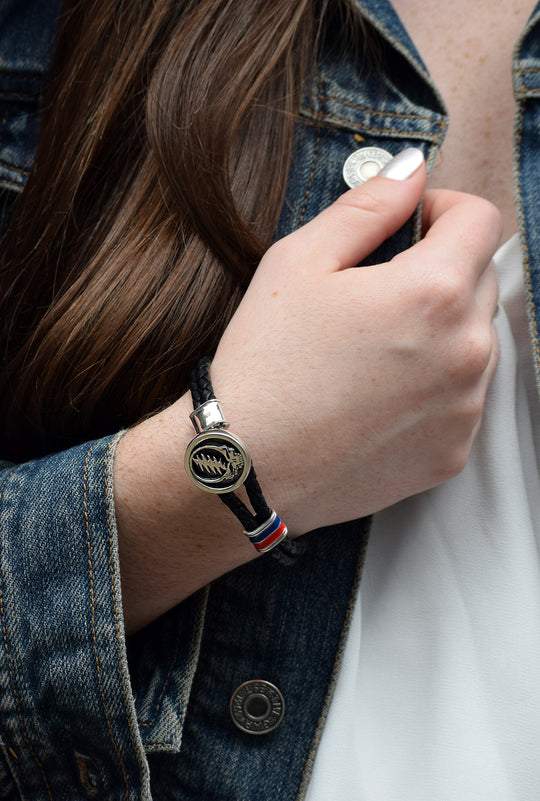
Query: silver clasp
207	416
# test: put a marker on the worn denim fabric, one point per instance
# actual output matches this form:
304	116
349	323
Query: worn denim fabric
27	29
82	713
526	74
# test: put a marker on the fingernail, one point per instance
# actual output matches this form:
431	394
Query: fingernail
403	165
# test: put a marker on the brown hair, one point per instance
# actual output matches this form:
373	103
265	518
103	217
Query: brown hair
148	208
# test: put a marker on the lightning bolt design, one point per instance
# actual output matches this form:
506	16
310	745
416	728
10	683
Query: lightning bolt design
226	465
210	464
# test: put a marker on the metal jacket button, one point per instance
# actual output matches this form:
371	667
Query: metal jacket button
257	707
363	164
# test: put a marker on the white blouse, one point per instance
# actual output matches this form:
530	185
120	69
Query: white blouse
438	698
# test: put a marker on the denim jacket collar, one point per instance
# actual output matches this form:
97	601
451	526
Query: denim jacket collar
356	93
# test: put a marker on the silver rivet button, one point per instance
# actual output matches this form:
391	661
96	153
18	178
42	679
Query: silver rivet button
257	707
363	164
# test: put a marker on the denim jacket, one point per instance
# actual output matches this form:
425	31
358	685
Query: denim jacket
83	714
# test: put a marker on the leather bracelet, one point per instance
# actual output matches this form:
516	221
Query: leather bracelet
218	462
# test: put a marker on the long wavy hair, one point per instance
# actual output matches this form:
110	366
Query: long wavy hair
149	205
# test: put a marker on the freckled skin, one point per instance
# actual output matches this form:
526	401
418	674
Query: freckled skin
468	49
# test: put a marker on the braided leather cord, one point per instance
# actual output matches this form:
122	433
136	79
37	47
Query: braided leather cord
288	550
200	384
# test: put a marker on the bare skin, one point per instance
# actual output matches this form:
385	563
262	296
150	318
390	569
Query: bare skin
467	48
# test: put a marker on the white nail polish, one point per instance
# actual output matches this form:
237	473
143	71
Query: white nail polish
403	165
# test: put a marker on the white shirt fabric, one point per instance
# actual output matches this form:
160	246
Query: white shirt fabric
438	698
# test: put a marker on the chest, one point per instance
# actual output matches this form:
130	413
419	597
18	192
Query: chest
467	48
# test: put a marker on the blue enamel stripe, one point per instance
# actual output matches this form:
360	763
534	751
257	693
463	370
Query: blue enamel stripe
266	532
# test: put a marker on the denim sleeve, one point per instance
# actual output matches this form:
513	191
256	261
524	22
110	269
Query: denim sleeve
74	722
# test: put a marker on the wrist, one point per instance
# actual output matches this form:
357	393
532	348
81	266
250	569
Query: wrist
167	528
218	462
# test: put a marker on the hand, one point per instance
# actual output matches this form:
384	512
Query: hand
356	387
352	387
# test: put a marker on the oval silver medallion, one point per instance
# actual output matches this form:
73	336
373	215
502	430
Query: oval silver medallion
363	164
217	461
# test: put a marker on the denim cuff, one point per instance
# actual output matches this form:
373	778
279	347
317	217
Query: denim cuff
67	709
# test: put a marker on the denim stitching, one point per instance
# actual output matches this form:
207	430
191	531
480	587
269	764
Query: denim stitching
155	746
315	156
525	250
13	766
376	111
310	179
113	592
12	677
11	166
389	131
96	655
7	184
524	89
4	738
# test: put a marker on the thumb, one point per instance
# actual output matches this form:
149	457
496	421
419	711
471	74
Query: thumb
362	218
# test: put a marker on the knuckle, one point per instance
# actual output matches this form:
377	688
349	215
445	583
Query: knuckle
467	354
445	294
451	289
477	352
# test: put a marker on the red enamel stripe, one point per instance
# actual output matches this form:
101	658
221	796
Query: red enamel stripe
272	538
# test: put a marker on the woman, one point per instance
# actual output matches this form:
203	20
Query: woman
165	121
